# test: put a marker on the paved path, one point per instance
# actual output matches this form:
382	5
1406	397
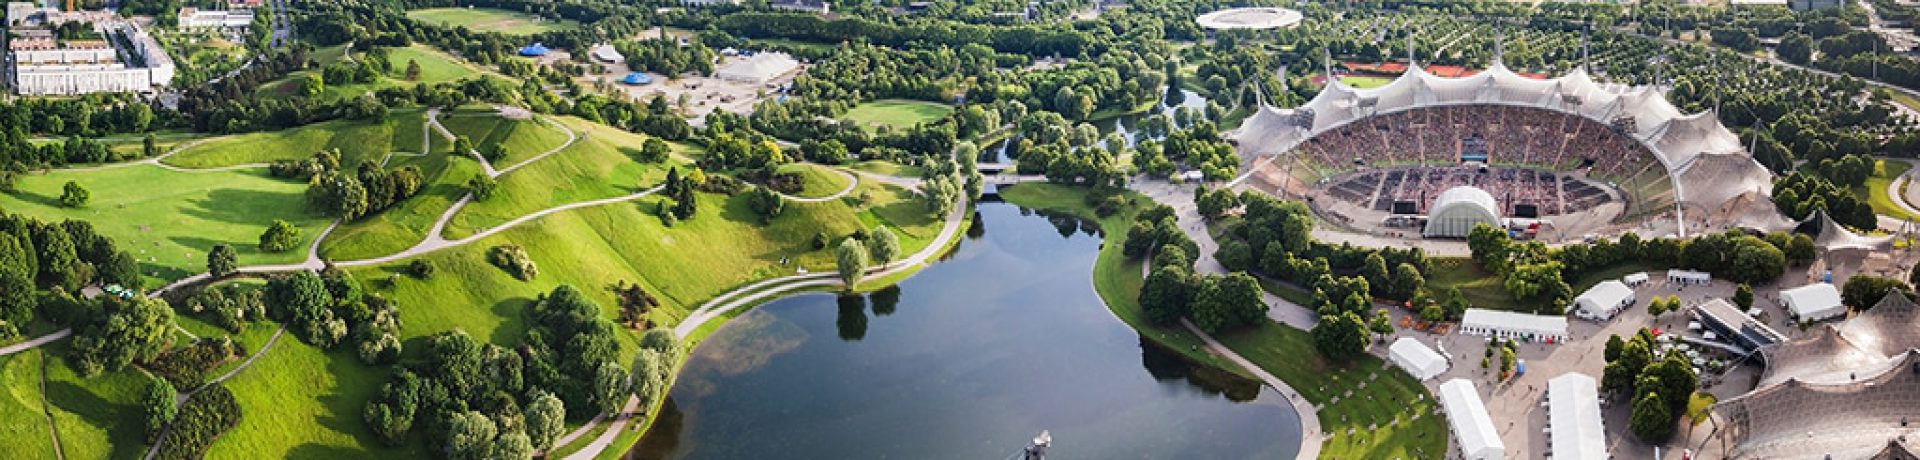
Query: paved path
181	398
1310	431
35	342
1180	198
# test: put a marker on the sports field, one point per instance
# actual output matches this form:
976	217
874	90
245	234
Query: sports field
1364	82
490	20
169	219
896	113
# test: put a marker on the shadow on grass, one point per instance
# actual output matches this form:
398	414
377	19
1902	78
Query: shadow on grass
510	332
35	198
96	411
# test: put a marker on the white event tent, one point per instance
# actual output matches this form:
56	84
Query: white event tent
1472	428
1573	418
1603	300
1813	302
1416	358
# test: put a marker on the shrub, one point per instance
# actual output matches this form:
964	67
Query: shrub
73	195
187	367
281	236
420	268
514	260
202	419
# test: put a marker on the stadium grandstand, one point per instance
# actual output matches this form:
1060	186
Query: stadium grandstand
1845	391
1570	151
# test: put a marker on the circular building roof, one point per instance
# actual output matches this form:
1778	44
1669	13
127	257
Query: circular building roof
1458	210
1250	18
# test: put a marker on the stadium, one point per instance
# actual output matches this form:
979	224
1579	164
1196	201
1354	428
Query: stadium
1432	156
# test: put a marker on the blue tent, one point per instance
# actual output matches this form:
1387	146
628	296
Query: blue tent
637	78
534	50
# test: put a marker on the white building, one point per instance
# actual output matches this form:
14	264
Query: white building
91	67
1813	302
1689	277
1510	325
1416	358
606	53
1603	300
1575	431
758	69
1472	428
1634	279
1458	210
197	19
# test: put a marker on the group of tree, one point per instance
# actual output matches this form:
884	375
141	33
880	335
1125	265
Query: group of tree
61	257
478	400
372	190
682	193
327	308
1799	195
1659	386
667	56
1531	271
1863	291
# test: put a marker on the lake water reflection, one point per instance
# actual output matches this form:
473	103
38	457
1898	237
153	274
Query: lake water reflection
968	359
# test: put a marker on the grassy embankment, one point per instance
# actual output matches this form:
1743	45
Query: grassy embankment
1381	408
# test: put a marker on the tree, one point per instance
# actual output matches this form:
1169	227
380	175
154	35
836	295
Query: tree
1651	420
313	85
1795	48
609	388
546	417
482	187
159	404
1657	307
73	195
513	445
469	436
1490	248
1743	296
851	260
222	260
16	303
654	150
767	203
1863	291
883	246
413	70
1167	294
1341	336
1406	282
1227	301
125	331
281	236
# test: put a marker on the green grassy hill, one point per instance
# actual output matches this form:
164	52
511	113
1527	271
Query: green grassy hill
169	219
358	140
523	139
602	164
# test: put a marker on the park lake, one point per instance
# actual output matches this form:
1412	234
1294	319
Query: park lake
969	359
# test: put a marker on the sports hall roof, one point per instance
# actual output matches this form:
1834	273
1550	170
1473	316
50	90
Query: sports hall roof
1705	159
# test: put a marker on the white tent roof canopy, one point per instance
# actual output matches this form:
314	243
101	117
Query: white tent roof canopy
1813	302
1472	427
1724	170
1416	358
1517	323
1573	413
1600	300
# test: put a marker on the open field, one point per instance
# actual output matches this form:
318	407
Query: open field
819	180
435	66
358	140
98	416
887	168
300	402
169	220
896	113
490	20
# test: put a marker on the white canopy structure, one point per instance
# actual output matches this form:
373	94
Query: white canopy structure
1634	279
1831	236
605	52
1457	210
1472	428
1506	324
1603	300
1416	358
1250	18
1705	161
758	68
1813	302
1573	418
1689	277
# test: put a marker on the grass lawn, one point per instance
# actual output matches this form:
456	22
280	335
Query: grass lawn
887	168
435	66
523	139
358	141
1116	277
819	180
1364	82
896	113
490	20
1884	172
98	416
298	401
23	420
1381	416
169	220
601	165
1482	289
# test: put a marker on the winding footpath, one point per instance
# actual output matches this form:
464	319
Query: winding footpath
852	182
181	398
